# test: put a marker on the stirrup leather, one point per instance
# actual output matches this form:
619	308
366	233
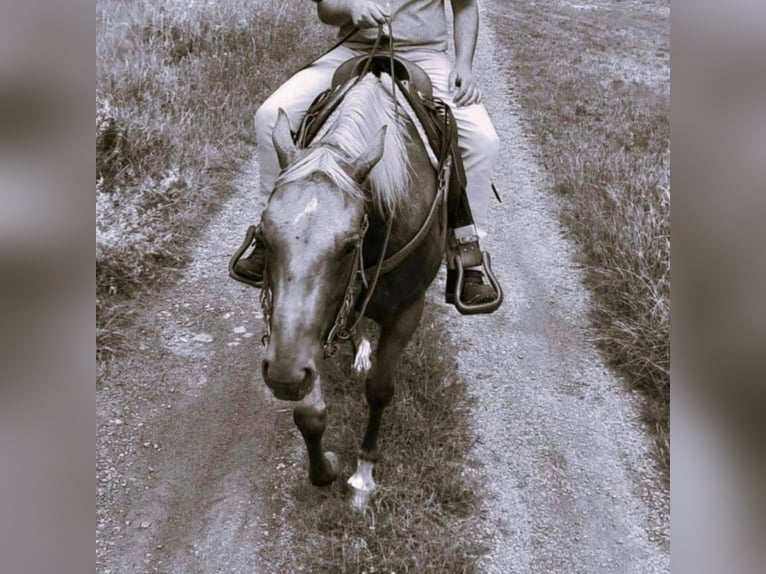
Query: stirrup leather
463	242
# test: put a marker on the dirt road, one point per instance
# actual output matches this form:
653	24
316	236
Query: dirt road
185	424
191	447
572	487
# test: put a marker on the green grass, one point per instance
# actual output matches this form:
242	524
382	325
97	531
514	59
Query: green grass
592	80
177	85
421	518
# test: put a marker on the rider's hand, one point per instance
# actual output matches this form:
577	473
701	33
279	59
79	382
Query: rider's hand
464	89
369	14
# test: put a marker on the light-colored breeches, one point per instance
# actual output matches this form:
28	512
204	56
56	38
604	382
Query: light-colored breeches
478	140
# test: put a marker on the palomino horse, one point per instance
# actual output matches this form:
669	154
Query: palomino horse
358	194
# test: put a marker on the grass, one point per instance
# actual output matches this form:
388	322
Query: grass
592	80
177	85
421	518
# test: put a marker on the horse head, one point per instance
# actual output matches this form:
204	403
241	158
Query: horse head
311	228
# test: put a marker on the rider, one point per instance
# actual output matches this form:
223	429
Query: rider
419	29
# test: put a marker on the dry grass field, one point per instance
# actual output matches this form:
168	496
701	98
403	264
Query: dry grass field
593	81
177	85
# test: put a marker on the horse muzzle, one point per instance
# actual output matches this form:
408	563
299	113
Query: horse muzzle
289	382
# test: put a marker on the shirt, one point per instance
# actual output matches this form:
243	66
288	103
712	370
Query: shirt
414	23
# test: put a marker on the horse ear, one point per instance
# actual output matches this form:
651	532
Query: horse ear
283	140
361	166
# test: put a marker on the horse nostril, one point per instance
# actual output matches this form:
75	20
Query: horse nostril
265	369
287	373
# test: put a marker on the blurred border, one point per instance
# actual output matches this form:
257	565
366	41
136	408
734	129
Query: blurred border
718	67
47	349
48	327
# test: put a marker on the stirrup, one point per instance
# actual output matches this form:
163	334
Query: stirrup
463	251
250	240
477	308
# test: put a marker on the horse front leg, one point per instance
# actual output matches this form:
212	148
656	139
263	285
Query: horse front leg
394	335
310	416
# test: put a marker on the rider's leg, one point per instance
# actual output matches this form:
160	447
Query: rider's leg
478	141
479	147
294	97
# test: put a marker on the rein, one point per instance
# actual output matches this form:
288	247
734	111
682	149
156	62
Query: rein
385	264
341	330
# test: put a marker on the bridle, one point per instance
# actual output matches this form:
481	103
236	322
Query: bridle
359	274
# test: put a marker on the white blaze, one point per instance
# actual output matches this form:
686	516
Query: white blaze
311	207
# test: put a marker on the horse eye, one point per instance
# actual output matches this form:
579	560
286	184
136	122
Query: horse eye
350	244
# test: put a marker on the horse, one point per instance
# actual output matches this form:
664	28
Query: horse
360	192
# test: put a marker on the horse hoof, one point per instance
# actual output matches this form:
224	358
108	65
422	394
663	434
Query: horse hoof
328	477
360	493
362	484
360	499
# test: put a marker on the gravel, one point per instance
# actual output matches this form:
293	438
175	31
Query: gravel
189	441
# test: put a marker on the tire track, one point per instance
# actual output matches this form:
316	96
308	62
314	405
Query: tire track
198	442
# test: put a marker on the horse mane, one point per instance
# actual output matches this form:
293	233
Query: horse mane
347	133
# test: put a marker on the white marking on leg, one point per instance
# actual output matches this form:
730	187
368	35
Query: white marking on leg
363	361
362	484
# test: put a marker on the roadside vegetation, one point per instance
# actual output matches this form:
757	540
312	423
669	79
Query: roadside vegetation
593	83
177	84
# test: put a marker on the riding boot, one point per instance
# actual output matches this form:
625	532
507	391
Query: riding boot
464	256
475	289
252	266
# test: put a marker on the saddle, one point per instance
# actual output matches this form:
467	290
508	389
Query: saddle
404	70
433	113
